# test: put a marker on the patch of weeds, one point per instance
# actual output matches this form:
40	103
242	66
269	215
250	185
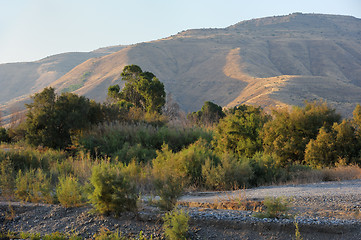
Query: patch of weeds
275	208
8	235
105	234
61	236
31	236
297	231
176	225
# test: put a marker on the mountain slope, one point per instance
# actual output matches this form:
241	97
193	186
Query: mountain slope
272	62
19	80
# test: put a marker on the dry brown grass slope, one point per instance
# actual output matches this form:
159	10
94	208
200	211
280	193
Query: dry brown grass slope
272	62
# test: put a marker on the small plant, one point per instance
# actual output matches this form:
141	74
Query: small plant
176	224
169	190
32	236
297	231
68	192
275	208
112	190
55	236
33	186
105	234
169	177
7	180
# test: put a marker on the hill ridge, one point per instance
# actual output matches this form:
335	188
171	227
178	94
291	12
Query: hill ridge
272	62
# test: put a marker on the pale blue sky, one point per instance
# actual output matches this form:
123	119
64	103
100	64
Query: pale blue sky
33	29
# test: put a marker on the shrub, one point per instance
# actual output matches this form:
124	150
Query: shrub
176	225
28	157
275	208
68	191
33	186
288	133
115	139
136	152
230	173
112	190
4	135
239	131
105	234
169	177
266	170
55	236
139	174
32	236
7	178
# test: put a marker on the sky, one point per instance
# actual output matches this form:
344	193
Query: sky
33	29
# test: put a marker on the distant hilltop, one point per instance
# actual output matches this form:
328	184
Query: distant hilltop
272	62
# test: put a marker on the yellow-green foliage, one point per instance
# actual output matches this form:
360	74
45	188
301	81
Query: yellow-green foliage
105	234
173	171
140	141
68	191
176	225
29	157
275	208
32	236
169	177
239	131
229	173
330	146
297	231
288	133
34	186
112	191
7	179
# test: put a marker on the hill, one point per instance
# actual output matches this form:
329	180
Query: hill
273	62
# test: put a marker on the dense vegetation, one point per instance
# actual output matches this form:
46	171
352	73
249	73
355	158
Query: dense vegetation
107	154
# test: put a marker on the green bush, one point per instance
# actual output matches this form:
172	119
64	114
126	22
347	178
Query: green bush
27	157
266	170
105	234
176	225
7	178
169	177
32	236
4	135
68	191
136	152
112	191
275	208
143	140
139	174
34	186
230	173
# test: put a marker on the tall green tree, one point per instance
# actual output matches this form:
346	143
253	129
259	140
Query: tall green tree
142	89
52	119
209	114
289	132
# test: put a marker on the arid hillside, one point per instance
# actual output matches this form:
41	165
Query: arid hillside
272	62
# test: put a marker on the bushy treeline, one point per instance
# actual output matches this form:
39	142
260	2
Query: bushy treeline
106	154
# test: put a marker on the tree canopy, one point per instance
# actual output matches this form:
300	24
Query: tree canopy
210	113
239	131
51	119
142	89
289	132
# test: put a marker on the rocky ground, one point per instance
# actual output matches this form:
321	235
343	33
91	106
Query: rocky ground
323	211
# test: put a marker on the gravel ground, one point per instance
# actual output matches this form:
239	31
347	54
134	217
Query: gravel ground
325	189
329	210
